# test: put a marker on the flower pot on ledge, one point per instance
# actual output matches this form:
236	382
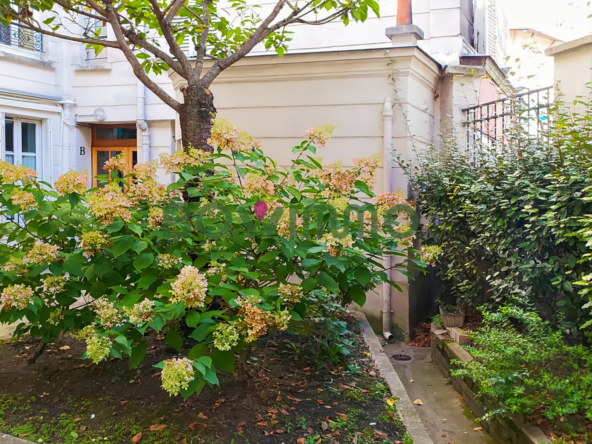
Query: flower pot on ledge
453	319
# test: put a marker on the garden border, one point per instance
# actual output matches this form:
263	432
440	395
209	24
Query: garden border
415	428
504	430
7	439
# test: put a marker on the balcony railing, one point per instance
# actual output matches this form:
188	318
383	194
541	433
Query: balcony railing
491	123
22	37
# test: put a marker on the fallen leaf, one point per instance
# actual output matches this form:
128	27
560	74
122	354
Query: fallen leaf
365	391
309	431
380	435
411	380
300	440
272	410
202	416
83	428
324	426
267	433
23	435
444	435
372	373
65	347
285	413
259	417
327	406
478	429
342	415
262	424
367	353
418	402
390	402
157	427
197	425
278	431
78	419
320	401
320	390
137	438
242	423
184	441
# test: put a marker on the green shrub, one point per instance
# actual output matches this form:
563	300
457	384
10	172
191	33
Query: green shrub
210	257
527	367
514	220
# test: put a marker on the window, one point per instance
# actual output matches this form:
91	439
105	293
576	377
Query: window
21	142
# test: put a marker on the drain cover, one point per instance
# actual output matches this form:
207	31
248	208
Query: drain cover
401	357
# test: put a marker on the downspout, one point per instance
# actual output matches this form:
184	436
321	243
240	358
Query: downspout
387	118
141	121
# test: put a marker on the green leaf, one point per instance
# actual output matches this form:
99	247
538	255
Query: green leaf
363	276
309	284
124	344
328	282
138	354
192	319
122	244
269	256
358	295
146	281
197	351
294	192
174	339
224	360
195	386
144	260
140	246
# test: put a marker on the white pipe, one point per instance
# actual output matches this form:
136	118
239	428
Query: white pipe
387	117
141	121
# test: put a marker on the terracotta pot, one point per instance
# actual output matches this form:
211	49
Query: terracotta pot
456	319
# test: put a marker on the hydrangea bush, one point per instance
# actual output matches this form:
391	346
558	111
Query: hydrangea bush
229	252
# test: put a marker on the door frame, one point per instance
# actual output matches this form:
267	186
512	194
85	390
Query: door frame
128	152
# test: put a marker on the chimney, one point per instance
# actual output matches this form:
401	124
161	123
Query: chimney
405	33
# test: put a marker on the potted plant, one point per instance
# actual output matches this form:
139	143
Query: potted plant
451	315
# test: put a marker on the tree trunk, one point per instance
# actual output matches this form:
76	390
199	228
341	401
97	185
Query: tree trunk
196	117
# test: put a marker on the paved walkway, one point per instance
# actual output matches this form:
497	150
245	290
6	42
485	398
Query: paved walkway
444	413
6	331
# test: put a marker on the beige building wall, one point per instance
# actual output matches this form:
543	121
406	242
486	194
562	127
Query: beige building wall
573	70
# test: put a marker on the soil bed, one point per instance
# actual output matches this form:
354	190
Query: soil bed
293	398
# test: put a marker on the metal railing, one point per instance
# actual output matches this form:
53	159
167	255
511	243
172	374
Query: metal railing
21	36
489	123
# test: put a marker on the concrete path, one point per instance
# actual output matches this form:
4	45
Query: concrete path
443	412
6	331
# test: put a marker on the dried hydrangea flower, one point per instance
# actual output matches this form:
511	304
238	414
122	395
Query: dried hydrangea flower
168	260
141	312
290	293
176	375
108	203
41	253
334	243
108	315
278	319
319	135
16	173
190	287
52	285
71	182
93	242
225	337
25	199
155	217
252	318
182	159
116	163
366	167
18	296
255	184
229	138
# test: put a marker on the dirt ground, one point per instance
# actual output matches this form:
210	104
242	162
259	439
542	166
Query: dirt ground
291	399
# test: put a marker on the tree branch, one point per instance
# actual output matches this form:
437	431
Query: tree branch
261	32
167	32
139	41
203	39
174	8
133	60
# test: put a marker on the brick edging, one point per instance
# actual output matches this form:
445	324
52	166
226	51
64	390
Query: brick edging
505	430
415	428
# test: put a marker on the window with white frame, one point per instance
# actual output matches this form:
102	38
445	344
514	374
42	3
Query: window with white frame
21	142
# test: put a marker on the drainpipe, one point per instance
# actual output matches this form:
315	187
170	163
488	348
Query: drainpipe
387	117
141	121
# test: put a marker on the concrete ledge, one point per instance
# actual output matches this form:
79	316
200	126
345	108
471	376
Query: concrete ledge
7	439
94	67
415	428
505	430
28	60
